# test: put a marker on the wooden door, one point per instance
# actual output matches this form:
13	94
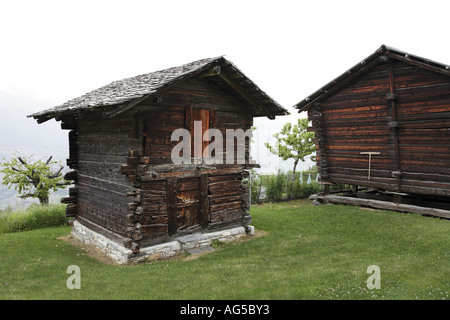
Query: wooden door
188	204
188	198
198	144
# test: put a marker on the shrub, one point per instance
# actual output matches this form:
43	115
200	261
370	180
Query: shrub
312	188
34	217
276	186
304	190
255	187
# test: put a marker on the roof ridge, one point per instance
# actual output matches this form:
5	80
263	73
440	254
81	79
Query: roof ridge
125	93
128	88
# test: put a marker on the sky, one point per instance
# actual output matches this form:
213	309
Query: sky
53	51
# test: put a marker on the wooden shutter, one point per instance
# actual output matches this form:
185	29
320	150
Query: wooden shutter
192	115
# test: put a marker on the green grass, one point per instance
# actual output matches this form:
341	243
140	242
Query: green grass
308	252
33	217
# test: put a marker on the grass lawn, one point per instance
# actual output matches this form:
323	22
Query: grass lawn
308	252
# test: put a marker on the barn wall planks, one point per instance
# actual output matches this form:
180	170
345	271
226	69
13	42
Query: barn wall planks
103	146
221	202
409	128
170	112
114	155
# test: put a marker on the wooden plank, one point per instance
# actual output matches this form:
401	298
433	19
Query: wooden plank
243	94
172	204
71	210
70	199
99	229
204	201
388	206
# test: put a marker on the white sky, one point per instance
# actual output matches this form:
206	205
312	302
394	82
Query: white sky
59	50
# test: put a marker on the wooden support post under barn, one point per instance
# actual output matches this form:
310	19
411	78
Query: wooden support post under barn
395	108
127	189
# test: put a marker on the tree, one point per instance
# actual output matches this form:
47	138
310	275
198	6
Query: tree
33	180
293	142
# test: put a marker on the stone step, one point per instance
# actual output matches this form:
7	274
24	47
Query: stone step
200	250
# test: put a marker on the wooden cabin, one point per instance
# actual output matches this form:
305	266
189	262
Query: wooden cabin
383	127
126	186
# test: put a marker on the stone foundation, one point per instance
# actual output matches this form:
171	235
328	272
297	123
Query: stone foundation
122	255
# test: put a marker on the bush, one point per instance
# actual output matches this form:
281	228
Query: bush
304	190
312	188
34	217
276	186
255	187
281	187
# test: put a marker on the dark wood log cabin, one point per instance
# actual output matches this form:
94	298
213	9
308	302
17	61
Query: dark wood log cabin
126	186
384	126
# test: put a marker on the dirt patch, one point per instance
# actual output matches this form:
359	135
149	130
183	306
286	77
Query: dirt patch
97	254
90	250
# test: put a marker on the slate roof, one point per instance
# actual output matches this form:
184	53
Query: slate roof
143	86
367	63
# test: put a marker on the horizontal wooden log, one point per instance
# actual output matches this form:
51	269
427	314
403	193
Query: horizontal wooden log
224	187
105	232
227	199
133	161
154	219
72	199
71	210
154	229
119	188
72	163
239	220
388	206
73	191
71	175
221	207
128	169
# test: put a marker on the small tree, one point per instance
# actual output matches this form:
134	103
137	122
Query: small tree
33	180
293	142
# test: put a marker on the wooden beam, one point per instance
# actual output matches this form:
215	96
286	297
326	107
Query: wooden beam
124	107
392	97
242	92
171	190
385	205
337	84
204	202
215	71
424	65
71	210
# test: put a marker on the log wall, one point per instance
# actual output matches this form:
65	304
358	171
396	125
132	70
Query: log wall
103	147
184	199
126	183
397	109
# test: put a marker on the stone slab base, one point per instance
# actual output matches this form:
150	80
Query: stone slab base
189	243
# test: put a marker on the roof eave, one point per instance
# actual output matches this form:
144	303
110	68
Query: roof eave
337	82
271	107
391	52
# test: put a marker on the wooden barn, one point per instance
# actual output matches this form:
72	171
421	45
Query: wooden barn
126	188
383	128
